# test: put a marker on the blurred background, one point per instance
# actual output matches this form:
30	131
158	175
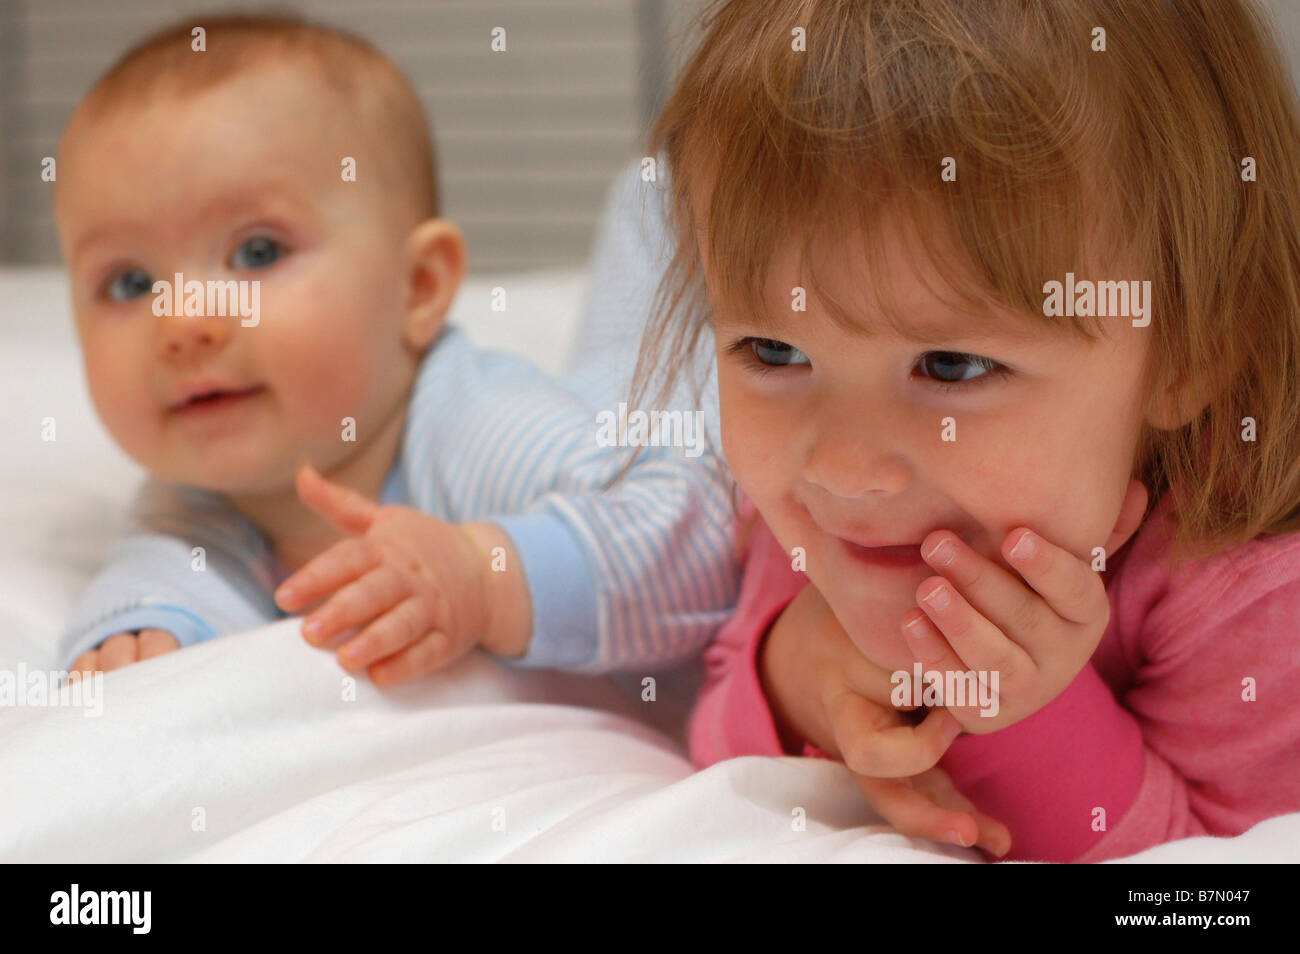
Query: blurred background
528	141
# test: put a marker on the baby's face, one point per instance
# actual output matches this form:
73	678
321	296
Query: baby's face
240	182
838	438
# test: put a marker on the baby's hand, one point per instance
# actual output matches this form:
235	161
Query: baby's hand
417	584
1035	637
123	649
823	690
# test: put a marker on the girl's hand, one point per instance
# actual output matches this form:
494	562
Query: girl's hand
1036	635
824	691
418	585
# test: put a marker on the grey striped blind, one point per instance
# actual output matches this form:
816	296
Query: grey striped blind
528	140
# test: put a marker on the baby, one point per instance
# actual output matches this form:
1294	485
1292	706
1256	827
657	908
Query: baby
1089	510
260	279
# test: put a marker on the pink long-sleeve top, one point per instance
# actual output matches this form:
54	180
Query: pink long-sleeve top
1185	722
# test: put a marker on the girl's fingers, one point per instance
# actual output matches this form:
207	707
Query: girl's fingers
995	593
359	602
936	784
976	641
430	654
871	743
932	650
386	636
870	681
1071	588
915	814
343	562
345	508
155	642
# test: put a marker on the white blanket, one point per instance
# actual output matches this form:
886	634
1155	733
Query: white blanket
251	748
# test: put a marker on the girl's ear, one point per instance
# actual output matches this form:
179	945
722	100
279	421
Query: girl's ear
1176	404
435	256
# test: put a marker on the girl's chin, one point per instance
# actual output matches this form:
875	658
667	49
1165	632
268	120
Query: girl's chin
876	627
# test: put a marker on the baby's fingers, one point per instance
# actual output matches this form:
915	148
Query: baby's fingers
870	746
386	636
325	573
430	654
155	642
85	664
342	506
118	651
359	602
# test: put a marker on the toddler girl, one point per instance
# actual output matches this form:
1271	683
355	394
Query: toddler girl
998	289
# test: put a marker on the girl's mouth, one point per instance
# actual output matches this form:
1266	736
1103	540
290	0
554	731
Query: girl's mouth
898	557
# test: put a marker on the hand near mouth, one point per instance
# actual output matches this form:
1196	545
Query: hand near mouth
824	692
1035	632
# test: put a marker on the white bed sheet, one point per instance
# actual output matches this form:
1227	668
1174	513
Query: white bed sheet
245	749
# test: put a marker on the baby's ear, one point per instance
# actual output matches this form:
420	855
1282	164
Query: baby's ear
435	266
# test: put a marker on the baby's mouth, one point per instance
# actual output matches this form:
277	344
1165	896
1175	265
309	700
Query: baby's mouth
214	400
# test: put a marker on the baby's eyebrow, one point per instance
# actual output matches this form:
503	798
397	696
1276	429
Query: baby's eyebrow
270	199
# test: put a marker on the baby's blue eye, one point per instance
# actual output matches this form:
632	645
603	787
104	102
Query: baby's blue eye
257	252
132	283
776	353
946	366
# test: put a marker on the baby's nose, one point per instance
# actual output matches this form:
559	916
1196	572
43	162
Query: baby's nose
183	333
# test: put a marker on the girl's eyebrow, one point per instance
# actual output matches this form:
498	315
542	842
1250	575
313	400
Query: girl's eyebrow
931	332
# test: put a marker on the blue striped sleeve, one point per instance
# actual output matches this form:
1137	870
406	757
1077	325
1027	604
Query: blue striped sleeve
190	564
633	577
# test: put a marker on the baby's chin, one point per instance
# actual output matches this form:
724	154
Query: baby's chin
225	476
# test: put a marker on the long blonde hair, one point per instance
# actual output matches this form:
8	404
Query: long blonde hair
1136	139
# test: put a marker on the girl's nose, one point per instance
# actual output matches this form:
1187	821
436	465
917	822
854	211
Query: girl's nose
855	456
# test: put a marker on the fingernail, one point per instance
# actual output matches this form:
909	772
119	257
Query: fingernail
1024	547
285	594
312	628
917	627
953	838
937	597
943	554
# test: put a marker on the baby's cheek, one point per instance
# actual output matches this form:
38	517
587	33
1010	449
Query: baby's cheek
126	409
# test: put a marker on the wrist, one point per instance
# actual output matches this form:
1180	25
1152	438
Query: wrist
507	607
770	665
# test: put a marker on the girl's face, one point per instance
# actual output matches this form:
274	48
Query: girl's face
839	437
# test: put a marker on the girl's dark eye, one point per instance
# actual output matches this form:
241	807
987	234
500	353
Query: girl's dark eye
954	369
129	284
258	252
775	354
